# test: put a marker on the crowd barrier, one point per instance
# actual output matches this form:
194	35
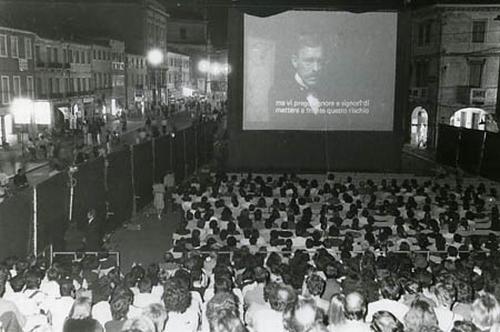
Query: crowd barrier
474	151
116	187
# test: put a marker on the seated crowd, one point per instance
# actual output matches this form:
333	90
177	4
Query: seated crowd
261	292
285	255
285	213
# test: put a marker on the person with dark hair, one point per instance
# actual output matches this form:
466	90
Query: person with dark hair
145	297
182	314
306	86
390	292
254	292
281	298
119	312
92	232
315	286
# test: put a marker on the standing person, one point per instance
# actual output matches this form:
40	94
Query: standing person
159	198
93	237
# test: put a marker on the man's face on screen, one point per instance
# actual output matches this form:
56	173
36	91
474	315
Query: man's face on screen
308	63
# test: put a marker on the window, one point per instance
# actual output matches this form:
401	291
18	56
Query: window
66	85
475	73
422	72
51	87
5	90
28	48
56	85
88	56
427	33
29	86
478	31
82	57
16	83
65	56
3	45
14	47
70	56
95	55
37	54
55	58
77	57
183	33
78	84
39	90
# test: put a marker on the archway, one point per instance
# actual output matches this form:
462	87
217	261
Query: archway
419	125
470	117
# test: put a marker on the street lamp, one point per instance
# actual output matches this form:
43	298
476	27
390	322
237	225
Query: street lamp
155	59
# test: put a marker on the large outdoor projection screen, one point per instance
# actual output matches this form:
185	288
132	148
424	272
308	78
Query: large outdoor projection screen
319	71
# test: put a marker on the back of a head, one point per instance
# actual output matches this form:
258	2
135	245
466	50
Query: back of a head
145	285
139	324
336	312
355	306
466	326
390	289
315	285
81	308
157	314
384	321
222	306
420	315
176	297
282	298
304	316
119	308
485	311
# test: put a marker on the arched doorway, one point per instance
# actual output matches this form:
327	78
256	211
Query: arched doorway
470	117
419	125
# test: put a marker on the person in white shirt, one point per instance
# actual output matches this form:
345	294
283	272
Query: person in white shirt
446	296
281	299
355	312
390	292
183	313
145	297
49	284
315	286
59	308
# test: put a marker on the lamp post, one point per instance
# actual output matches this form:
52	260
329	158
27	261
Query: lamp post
155	59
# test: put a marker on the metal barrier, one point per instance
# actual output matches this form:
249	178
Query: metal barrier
78	255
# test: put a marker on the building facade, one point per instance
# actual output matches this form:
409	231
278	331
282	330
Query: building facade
187	33
178	75
108	76
140	24
63	77
454	68
136	88
17	75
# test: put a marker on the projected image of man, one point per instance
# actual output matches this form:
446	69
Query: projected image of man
306	88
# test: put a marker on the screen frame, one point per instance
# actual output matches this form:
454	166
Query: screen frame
246	147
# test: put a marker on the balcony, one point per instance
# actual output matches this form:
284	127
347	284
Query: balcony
474	96
419	93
